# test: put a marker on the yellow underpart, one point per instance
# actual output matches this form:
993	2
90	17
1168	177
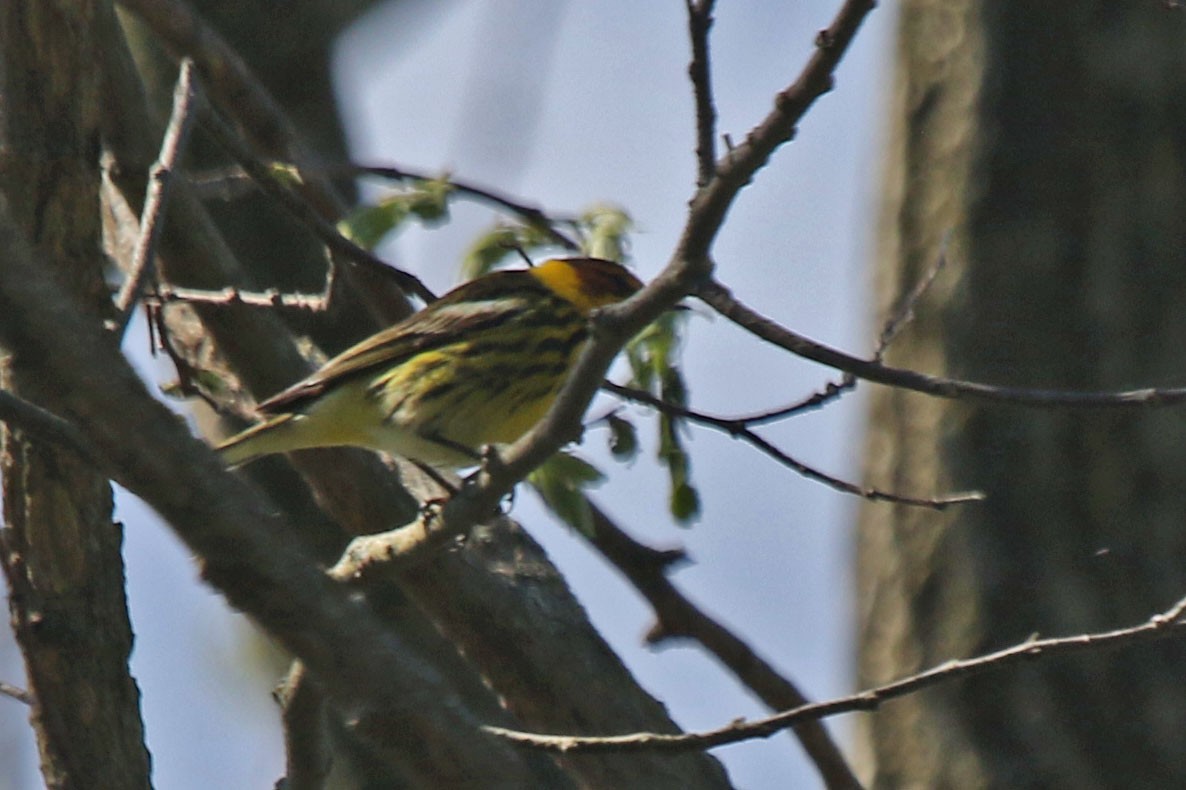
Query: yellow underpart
419	394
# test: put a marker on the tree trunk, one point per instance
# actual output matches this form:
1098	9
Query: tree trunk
1052	138
59	547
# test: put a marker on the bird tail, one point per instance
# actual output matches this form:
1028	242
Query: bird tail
275	435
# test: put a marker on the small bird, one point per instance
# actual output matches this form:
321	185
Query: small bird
479	366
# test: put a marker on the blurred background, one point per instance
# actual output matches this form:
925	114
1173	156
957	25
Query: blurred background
568	105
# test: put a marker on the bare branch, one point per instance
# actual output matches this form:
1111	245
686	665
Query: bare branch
902	317
234	89
720	299
1160	626
265	176
739	164
894	324
16	693
229	296
160	177
677	617
898	320
700	72
411	542
737	428
233	86
532	215
831	391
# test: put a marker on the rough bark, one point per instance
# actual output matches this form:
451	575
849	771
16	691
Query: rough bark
59	547
1049	136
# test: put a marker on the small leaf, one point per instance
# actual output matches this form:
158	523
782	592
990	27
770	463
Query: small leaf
503	241
368	224
286	173
652	352
673	388
623	441
561	482
684	500
652	358
685	503
607	230
430	200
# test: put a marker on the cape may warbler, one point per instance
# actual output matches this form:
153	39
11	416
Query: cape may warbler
481	365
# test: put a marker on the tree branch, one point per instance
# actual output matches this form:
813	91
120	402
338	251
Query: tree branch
160	176
737	428
18	694
677	617
1160	626
300	207
531	215
239	95
234	86
306	737
739	164
231	296
720	299
700	73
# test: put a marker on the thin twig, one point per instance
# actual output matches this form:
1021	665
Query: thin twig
1159	626
16	693
736	168
831	391
677	617
44	425
233	86
739	429
264	176
188	378
229	183
237	90
156	196
230	295
904	315
239	94
898	320
532	215
720	299
700	73
893	326
865	492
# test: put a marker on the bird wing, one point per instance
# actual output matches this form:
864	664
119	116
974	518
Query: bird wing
473	307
